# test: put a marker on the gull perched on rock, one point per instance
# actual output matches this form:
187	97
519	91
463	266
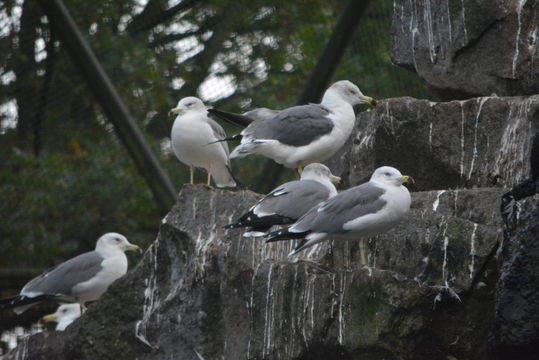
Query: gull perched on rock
361	211
81	279
64	315
302	134
288	202
193	142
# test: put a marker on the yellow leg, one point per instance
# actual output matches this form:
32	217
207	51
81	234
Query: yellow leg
300	167
362	258
191	175
209	178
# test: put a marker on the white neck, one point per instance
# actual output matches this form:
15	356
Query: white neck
322	180
332	99
109	251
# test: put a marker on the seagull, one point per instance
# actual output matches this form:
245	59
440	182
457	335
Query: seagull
193	141
303	134
288	202
81	279
64	315
361	211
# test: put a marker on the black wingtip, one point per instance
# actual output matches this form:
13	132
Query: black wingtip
232	118
21	300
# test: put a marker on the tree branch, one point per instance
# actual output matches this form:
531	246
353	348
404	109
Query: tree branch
149	18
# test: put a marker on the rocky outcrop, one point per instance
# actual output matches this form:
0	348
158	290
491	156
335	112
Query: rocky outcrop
469	48
480	142
516	324
204	292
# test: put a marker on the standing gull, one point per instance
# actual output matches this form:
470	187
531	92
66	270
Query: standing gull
303	134
193	141
362	211
288	202
81	279
64	315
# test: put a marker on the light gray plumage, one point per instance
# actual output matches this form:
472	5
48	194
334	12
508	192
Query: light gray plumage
362	211
288	202
296	126
81	279
354	203
62	278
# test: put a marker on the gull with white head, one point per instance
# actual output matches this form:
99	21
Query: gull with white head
288	202
303	134
361	211
194	136
81	279
64	315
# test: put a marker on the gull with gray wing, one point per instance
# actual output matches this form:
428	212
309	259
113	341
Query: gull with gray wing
362	211
303	134
64	315
81	279
288	202
194	136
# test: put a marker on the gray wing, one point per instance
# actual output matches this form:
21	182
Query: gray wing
296	126
350	204
62	278
261	114
293	199
219	133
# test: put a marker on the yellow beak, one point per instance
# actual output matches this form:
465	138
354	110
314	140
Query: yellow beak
133	247
175	111
49	318
335	179
406	179
368	100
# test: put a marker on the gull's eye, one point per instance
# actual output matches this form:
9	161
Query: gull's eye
117	240
387	174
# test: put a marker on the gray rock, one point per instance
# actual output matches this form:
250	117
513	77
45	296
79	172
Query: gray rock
468	48
516	323
205	292
481	142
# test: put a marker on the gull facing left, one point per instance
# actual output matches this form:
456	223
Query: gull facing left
193	141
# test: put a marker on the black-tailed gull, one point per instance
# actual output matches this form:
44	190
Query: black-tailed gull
288	202
81	279
362	211
64	315
194	136
303	134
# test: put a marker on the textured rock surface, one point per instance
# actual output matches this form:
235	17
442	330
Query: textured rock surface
469	47
516	326
203	292
478	142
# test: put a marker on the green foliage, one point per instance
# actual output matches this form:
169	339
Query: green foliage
65	179
59	204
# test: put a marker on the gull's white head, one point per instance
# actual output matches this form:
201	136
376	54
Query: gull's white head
187	104
390	176
64	315
348	92
317	171
114	242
